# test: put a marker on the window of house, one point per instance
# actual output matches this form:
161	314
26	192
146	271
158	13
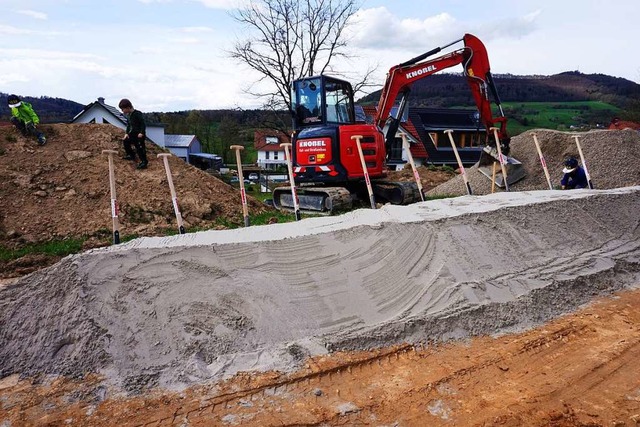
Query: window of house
275	155
266	155
271	140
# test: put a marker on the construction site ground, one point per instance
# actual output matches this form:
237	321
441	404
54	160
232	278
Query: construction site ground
509	309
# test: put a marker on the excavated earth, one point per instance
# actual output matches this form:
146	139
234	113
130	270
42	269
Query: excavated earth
514	308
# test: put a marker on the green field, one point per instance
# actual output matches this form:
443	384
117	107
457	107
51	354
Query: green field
558	115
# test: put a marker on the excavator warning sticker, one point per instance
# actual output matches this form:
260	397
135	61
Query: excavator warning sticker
316	151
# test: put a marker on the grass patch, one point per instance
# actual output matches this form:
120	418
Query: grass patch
53	248
557	115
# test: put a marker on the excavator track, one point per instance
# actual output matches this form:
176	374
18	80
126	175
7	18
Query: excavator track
325	200
317	200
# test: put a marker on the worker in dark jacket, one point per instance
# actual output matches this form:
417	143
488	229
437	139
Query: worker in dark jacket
135	134
574	175
24	118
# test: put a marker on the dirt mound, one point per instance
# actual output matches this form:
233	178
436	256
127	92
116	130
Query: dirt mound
61	190
612	157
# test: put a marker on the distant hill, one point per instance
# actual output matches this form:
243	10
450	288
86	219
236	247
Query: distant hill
447	90
440	90
50	110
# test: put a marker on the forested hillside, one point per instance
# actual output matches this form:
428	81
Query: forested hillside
448	90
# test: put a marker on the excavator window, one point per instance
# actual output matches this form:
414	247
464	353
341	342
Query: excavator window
308	101
339	102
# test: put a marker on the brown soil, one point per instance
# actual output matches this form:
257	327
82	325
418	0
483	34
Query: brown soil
579	370
61	190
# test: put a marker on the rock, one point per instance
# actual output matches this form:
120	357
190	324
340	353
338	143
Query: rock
40	193
76	154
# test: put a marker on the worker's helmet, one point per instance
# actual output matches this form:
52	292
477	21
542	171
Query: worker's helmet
570	164
14	101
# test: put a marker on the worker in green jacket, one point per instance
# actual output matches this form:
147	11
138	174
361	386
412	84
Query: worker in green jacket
24	118
135	133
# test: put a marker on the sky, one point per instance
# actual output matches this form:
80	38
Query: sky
172	55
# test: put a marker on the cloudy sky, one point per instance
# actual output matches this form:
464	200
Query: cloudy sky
170	55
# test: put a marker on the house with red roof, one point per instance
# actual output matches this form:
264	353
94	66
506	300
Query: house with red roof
267	144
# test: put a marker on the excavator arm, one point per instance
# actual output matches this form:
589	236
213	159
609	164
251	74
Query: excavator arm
475	62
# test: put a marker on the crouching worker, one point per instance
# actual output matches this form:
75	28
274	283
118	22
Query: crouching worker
24	118
135	134
574	175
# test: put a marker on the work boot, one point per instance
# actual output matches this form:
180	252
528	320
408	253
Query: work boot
42	139
142	165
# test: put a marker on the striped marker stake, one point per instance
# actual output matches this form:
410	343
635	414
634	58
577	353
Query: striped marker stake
243	194
114	201
416	176
501	158
296	209
364	169
460	165
542	161
584	163
174	199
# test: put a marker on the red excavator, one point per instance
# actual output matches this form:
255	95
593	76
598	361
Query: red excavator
327	169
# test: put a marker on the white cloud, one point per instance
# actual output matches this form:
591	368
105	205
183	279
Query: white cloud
378	28
32	13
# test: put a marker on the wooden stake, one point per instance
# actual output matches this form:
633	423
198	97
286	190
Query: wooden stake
584	163
501	158
243	194
114	201
460	165
174	199
542	161
296	209
416	176
493	177
364	169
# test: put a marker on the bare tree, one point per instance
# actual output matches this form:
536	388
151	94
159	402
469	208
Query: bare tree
290	39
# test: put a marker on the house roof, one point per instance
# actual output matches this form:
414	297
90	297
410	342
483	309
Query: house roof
112	110
179	141
100	102
417	148
435	119
623	124
260	139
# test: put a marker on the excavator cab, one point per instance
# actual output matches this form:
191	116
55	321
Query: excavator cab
321	100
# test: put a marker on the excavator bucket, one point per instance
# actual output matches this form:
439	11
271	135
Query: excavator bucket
490	161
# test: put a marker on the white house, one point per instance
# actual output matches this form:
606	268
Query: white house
99	112
267	144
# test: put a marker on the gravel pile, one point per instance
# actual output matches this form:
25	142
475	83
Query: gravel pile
612	157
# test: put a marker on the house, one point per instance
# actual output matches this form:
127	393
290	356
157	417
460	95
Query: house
397	158
469	134
100	112
182	146
267	144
